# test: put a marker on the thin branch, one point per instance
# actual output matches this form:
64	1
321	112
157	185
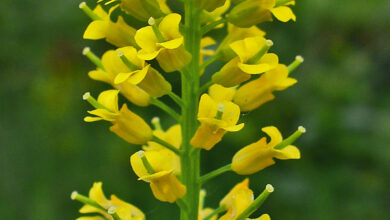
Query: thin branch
166	145
165	108
212	25
215	173
176	98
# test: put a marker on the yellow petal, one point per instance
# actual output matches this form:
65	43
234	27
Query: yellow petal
227	200
109	99
247	47
97	195
138	75
96	30
103	114
288	152
92	119
132	55
167	188
121	77
134	94
207	107
131	127
230	74
135	212
266	63
220	93
207	136
274	134
169	26
155	84
146	39
148	55
263	217
101	76
173	60
100	12
283	13
252	158
172	44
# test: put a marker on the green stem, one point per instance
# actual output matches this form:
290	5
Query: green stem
165	108
166	145
190	159
215	212
176	98
212	25
83	199
215	173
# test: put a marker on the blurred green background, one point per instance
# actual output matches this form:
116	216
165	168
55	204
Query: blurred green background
342	98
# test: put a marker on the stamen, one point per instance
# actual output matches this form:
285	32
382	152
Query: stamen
268	44
88	11
298	60
148	167
220	110
93	58
156	123
156	31
127	62
291	139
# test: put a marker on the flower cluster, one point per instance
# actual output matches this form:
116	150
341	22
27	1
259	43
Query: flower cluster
169	160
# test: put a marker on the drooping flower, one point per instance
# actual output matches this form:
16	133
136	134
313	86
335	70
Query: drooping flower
238	200
138	72
171	136
157	168
118	33
253	12
209	5
235	33
261	154
164	42
124	210
143	9
126	124
216	118
259	91
252	59
215	14
110	66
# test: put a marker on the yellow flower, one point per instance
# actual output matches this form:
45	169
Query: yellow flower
209	5
126	124
282	12
171	136
237	200
220	93
234	34
138	72
143	9
164	42
259	91
117	33
216	119
214	15
203	213
163	183
252	59
253	12
260	154
112	66
125	210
